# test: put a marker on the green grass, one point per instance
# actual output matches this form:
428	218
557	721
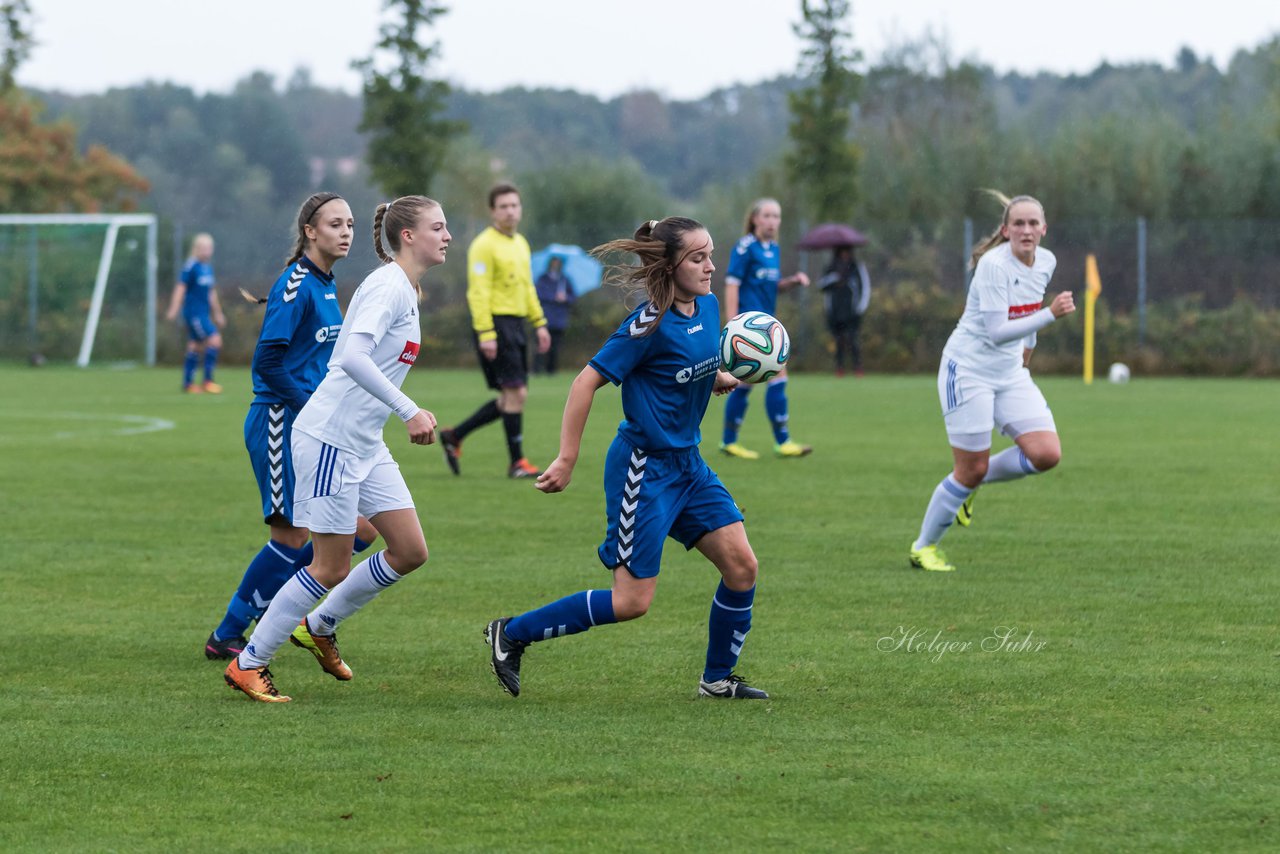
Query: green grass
1146	720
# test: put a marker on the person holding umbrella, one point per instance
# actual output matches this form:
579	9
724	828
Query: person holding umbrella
557	295
752	283
846	292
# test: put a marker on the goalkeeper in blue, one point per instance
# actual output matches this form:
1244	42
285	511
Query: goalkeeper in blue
665	358
298	334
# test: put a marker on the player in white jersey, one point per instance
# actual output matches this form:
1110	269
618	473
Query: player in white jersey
984	381
342	466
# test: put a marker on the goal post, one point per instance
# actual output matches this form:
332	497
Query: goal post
113	223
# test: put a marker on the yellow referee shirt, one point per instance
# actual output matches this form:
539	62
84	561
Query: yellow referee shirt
500	281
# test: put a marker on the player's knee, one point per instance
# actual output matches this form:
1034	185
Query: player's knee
630	605
970	475
1045	458
294	538
407	559
742	572
365	530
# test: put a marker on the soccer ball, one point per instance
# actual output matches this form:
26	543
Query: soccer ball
754	347
1119	372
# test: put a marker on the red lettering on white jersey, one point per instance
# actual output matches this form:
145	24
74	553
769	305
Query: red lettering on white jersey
1016	311
410	354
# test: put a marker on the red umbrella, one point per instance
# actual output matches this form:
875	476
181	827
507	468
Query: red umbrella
829	235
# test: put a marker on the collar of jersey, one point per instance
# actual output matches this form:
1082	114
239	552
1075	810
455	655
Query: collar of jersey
327	278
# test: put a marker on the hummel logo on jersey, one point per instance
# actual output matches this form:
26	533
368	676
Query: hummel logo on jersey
693	329
410	354
330	296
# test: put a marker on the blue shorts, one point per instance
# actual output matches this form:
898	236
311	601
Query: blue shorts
268	429
200	327
651	496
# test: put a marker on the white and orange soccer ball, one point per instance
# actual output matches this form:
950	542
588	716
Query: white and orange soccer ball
754	347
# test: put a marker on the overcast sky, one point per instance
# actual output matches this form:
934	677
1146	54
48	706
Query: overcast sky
681	48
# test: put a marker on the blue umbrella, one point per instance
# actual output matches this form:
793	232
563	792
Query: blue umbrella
583	270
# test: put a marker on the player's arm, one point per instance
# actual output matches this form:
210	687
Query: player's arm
215	308
357	362
800	278
175	301
576	409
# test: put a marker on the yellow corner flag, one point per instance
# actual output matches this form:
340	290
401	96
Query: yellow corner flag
1092	287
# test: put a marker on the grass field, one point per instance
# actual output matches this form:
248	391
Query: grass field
1134	706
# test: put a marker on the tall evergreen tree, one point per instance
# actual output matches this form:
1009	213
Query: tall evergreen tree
823	162
17	41
403	106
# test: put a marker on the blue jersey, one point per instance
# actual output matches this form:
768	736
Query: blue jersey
302	314
666	375
757	267
198	277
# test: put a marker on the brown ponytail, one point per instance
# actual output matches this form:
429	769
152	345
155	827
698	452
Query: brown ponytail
658	244
391	218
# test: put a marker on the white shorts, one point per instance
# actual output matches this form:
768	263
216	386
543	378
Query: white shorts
972	406
332	487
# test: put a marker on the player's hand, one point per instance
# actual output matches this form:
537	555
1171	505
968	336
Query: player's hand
1063	304
556	476
489	349
802	279
422	428
544	339
725	383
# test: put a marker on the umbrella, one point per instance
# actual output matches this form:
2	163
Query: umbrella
583	270
829	235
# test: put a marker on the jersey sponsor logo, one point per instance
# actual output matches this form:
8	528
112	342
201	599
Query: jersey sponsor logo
326	333
698	371
410	354
1016	311
684	375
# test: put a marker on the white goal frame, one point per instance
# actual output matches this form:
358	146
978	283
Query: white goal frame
113	222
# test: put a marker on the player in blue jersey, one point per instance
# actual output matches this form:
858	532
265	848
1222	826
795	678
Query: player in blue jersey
195	296
752	283
665	357
298	333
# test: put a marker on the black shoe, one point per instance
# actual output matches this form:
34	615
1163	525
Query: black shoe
215	649
504	655
732	687
452	448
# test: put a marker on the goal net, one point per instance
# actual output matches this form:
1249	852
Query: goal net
78	286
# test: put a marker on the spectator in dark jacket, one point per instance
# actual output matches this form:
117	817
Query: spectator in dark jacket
846	291
555	292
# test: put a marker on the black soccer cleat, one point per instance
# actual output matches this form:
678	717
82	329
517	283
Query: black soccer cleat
452	448
732	687
221	650
504	655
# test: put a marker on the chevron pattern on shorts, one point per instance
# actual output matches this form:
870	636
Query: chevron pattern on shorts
295	281
630	501
275	456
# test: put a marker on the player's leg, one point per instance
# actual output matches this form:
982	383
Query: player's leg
196	333
511	370
213	346
735	410
777	407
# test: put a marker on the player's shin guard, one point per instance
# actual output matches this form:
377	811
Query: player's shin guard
941	512
210	361
359	588
727	630
298	596
567	616
1009	464
735	409
775	404
266	574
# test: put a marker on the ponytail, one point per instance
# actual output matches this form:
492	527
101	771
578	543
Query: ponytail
658	244
996	238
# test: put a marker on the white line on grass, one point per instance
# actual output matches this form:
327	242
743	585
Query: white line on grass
132	425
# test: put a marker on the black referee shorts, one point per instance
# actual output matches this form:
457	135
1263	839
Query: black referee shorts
510	368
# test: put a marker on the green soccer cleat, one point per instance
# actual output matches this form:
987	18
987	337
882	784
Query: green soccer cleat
930	559
733	449
964	516
324	648
792	449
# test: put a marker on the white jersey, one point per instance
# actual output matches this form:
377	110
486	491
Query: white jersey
1000	283
341	413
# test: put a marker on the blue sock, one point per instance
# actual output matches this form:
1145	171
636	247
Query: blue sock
267	573
189	368
566	616
735	409
360	545
727	629
210	359
775	403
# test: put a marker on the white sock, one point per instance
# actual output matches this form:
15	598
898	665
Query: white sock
359	588
946	500
298	595
1009	464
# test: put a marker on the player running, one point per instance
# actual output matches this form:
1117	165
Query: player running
984	381
298	333
665	357
752	283
344	469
